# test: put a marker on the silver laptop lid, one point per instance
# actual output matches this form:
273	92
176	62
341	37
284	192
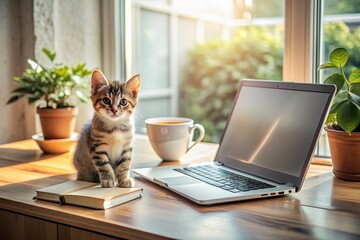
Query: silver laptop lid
273	128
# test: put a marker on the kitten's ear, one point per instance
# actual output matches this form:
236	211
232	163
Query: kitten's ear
97	80
134	85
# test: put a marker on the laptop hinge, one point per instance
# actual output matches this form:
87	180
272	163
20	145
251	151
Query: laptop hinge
159	182
291	185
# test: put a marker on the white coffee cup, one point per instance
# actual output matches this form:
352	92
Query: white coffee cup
171	137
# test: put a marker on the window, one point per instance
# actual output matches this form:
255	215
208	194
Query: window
191	55
340	27
175	48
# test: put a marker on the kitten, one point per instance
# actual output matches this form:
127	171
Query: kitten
104	150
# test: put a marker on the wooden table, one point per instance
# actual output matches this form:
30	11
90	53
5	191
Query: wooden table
326	208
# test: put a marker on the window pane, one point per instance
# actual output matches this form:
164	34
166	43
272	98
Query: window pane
272	8
154	50
155	107
186	40
212	31
341	28
211	8
148	108
203	49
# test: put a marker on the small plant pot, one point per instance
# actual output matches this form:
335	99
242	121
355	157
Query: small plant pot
57	123
345	154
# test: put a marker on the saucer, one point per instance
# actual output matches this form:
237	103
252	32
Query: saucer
56	145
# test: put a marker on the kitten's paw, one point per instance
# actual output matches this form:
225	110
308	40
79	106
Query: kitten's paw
127	183
107	183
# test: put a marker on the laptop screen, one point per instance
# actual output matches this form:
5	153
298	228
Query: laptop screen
274	127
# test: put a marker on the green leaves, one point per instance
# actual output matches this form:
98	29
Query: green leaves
81	70
339	57
34	65
336	79
327	65
345	110
49	54
348	116
54	85
355	88
355	76
13	99
354	98
81	96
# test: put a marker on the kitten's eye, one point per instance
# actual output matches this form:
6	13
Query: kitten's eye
123	102
106	100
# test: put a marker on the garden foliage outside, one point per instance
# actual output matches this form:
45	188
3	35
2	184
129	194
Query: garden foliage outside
339	35
215	69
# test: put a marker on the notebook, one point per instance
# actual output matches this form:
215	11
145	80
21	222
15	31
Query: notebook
87	194
265	149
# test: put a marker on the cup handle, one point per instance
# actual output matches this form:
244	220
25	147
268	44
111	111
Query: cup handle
201	136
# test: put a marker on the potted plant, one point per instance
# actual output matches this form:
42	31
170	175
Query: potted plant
53	87
342	125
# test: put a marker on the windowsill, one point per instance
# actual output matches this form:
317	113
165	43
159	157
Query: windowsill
321	161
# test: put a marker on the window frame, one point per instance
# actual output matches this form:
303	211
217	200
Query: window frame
298	45
115	46
303	48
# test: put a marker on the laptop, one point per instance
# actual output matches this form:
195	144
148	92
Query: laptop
265	149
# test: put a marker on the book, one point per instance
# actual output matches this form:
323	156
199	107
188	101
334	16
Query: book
87	194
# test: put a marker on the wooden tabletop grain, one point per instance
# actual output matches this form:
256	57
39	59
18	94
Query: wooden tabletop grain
326	207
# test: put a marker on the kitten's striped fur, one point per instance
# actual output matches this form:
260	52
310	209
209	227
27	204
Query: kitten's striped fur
104	150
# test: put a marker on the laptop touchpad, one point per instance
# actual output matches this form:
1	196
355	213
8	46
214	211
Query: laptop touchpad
175	181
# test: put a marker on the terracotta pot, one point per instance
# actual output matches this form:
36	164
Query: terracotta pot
57	123
345	154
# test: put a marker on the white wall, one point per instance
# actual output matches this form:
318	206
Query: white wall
14	42
71	28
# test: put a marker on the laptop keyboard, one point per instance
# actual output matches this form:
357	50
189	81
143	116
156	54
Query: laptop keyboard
224	179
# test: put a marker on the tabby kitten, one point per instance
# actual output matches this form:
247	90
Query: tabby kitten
104	150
